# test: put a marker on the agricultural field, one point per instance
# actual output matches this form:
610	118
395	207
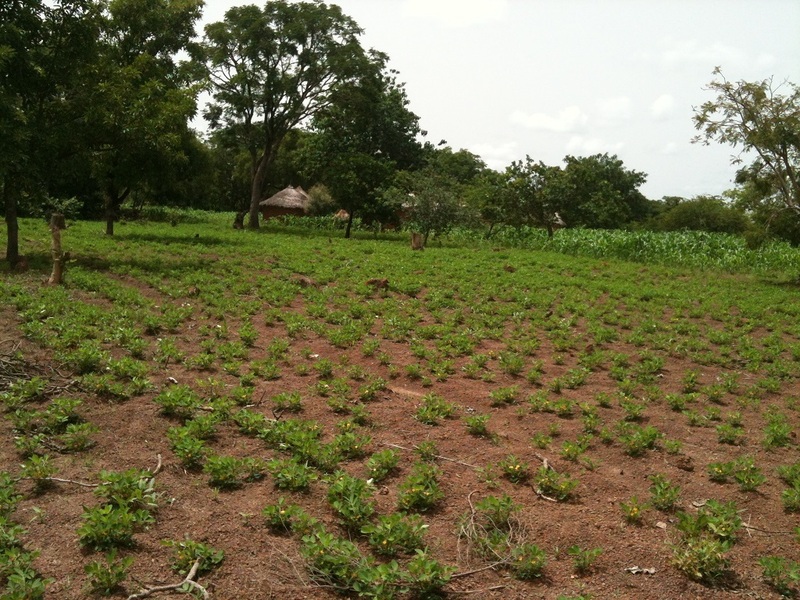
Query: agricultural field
288	414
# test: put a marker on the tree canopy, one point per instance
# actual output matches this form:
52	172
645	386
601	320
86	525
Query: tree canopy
273	69
756	117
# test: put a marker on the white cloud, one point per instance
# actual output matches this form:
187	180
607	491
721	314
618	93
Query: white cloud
684	52
663	107
670	148
496	156
614	109
583	146
457	13
570	119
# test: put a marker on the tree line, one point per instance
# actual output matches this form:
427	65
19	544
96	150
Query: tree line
97	99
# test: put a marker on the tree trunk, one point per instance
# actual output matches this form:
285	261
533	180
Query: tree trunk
349	225
56	225
112	204
259	174
12	225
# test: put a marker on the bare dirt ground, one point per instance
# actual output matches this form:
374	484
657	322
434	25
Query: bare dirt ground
259	564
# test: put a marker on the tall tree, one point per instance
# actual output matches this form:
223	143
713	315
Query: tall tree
362	138
755	117
43	48
137	111
533	194
599	192
274	68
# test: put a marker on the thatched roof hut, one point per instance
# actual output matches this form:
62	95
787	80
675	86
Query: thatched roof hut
289	201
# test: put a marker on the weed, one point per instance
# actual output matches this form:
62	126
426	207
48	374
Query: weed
288	401
425	576
229	472
497	512
747	474
282	516
541	440
178	401
133	489
730	434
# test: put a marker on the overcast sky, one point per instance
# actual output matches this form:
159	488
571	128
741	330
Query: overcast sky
548	78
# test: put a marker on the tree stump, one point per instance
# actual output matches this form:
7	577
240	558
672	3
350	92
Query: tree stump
57	223
417	241
238	221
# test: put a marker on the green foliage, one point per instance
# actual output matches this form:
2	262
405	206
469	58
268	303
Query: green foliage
178	401
632	510
420	491
755	117
663	493
515	470
105	578
229	472
395	533
186	552
583	559
703	213
382	464
433	408
290	474
133	489
549	482
107	526
782	574
528	561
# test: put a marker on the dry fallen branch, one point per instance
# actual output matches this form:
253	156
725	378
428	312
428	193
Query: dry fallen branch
452	460
94	485
188	582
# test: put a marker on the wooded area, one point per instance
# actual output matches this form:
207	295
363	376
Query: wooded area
98	100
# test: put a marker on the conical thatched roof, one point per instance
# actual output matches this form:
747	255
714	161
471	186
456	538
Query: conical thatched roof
290	197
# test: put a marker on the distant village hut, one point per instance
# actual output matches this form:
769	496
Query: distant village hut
289	201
